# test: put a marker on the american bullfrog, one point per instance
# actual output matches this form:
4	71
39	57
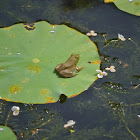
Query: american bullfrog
69	69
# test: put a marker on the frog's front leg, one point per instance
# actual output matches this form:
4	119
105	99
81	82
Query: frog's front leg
58	67
67	73
79	69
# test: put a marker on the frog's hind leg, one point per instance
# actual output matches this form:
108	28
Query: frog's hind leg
67	74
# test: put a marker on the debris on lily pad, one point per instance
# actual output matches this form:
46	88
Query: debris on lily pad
29	57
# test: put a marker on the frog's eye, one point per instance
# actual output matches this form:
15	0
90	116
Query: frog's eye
77	56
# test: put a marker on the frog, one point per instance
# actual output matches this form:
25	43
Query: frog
69	68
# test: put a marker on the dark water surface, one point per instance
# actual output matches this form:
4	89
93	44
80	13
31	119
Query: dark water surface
109	108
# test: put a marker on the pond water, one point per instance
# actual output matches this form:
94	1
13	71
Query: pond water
109	109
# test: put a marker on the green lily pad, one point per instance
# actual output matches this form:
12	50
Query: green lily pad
132	7
29	54
6	133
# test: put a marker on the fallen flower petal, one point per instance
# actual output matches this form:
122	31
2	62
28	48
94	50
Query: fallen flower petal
107	68
69	123
15	110
88	34
99	71
15	113
121	37
112	68
101	74
104	73
92	33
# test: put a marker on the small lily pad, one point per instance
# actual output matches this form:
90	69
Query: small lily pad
129	6
28	57
6	133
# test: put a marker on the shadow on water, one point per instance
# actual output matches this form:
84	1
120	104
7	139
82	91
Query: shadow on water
109	109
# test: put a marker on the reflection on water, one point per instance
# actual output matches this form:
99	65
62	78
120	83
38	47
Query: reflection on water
109	108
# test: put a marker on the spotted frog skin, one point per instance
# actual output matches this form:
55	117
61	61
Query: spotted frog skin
69	68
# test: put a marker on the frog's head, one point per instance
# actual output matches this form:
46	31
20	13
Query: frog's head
76	56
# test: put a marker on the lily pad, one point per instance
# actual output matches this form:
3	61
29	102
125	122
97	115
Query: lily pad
6	133
29	54
129	6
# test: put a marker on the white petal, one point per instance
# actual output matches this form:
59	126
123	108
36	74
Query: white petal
121	37
100	76
99	71
66	125
112	67
130	0
88	34
112	70
138	116
105	73
107	68
94	34
69	123
92	31
15	113
15	108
